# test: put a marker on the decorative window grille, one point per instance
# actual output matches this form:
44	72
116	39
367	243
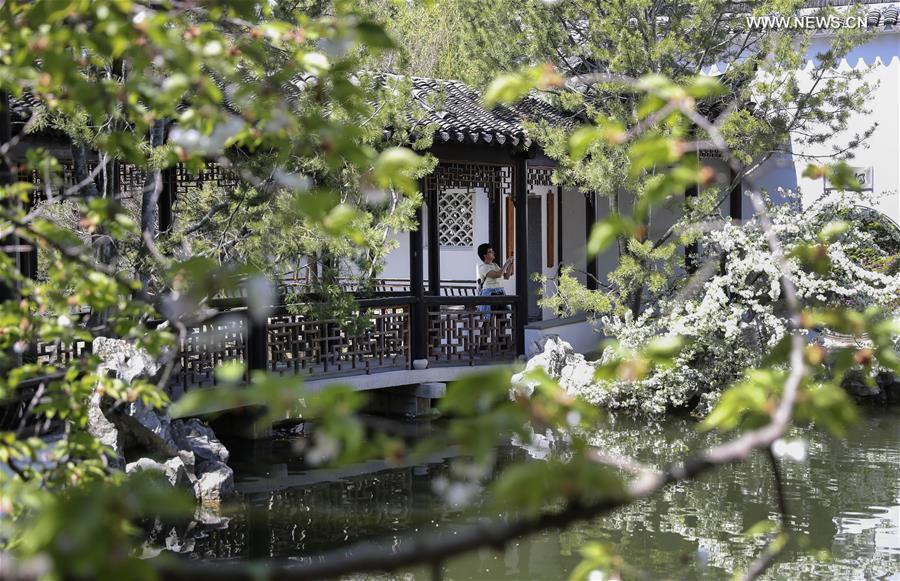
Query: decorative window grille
456	218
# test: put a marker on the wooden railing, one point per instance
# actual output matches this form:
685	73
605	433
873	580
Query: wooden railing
222	339
304	345
377	338
467	330
470	330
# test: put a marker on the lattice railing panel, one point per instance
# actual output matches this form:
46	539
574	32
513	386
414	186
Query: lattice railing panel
209	345
298	344
185	181
456	218
466	334
61	353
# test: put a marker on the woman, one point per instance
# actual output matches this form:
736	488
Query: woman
490	275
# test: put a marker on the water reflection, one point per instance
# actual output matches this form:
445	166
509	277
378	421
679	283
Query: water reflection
845	500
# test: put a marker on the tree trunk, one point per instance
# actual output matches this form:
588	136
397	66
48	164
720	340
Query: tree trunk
149	204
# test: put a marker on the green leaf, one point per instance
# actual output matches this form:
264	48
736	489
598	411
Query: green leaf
373	35
650	151
230	371
582	139
702	86
507	88
605	232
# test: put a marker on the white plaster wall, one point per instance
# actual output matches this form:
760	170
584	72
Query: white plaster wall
396	264
880	59
460	262
457	262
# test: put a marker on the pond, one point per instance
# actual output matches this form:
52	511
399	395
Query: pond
844	499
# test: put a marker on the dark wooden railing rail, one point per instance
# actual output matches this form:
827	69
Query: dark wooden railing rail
378	336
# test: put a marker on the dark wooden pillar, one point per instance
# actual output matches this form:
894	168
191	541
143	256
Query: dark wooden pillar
434	247
418	319
590	216
257	338
736	197
167	199
494	227
559	227
521	193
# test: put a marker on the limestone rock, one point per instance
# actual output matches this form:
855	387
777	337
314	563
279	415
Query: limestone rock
142	430
560	361
198	438
101	428
179	475
145	465
122	358
216	483
186	451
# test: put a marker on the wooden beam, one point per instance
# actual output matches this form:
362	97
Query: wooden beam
469	152
521	192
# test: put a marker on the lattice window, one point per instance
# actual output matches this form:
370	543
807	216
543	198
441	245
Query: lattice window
456	218
540	176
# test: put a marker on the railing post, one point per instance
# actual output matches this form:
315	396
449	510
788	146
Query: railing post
417	318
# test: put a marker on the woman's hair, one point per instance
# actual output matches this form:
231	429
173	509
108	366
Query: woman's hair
482	250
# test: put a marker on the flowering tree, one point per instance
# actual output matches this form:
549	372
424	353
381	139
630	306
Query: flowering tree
732	314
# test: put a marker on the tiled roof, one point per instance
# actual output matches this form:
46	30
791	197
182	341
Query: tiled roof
878	13
885	16
460	116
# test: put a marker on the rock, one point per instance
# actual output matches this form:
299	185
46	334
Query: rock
560	361
889	385
186	451
188	458
142	431
216	483
855	384
179	475
103	429
124	359
145	465
195	436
